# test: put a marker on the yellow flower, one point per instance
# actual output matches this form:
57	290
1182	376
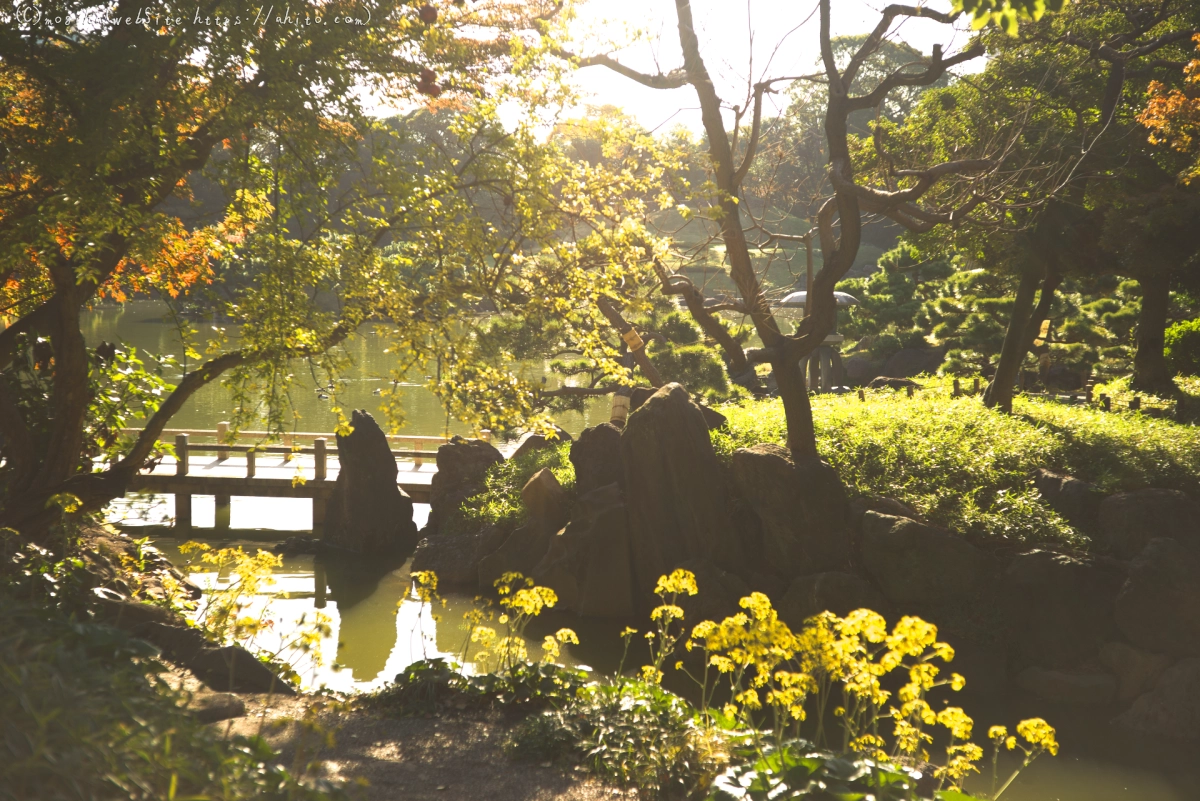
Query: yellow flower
549	649
628	632
1039	734
957	681
679	582
957	721
567	636
651	675
666	613
997	733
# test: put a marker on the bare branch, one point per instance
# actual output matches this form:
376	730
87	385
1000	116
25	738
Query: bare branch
668	80
936	69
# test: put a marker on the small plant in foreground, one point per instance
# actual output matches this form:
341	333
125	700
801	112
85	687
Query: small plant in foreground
239	613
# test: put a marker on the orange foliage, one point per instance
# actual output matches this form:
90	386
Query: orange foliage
1173	117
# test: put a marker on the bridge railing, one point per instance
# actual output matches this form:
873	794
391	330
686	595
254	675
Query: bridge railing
221	446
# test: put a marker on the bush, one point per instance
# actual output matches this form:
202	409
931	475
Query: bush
1183	347
630	733
83	716
500	502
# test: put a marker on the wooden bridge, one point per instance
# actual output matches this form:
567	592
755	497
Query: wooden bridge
290	470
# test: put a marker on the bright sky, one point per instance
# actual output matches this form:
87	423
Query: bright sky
781	35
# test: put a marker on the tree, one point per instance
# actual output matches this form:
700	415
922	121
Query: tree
1048	77
105	113
839	221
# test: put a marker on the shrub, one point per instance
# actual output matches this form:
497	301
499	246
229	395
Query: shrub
632	733
1183	347
500	502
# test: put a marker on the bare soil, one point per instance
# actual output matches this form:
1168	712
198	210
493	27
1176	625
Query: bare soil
438	759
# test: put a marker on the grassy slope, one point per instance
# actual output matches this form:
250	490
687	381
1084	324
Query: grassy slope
968	468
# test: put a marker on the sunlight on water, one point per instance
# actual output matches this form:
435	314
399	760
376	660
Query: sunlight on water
379	627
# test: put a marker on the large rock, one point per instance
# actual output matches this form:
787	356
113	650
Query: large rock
917	565
802	506
369	514
1172	708
596	456
1077	501
461	466
227	669
545	500
546	505
1159	607
1137	671
908	362
588	564
1057	609
1069	687
885	506
860	370
678	507
455	558
718	596
1129	520
236	670
531	442
839	593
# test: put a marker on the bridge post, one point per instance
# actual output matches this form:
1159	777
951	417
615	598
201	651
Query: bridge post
319	508
319	581
181	454
250	467
287	443
183	512
222	432
221	519
183	500
417	446
319	458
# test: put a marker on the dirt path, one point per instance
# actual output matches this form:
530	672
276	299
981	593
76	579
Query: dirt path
415	758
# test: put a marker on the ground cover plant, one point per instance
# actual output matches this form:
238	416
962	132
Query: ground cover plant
83	715
969	468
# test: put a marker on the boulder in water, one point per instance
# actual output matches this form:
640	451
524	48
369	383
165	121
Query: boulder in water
369	513
1158	608
675	490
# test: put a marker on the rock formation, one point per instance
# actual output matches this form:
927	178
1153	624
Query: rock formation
369	513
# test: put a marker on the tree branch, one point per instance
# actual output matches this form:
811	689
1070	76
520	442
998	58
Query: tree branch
671	80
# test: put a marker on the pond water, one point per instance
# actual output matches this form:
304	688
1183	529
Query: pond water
378	626
145	325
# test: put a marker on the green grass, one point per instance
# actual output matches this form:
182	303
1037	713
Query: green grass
968	468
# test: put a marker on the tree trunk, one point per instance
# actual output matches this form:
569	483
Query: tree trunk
797	411
1150	371
999	393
